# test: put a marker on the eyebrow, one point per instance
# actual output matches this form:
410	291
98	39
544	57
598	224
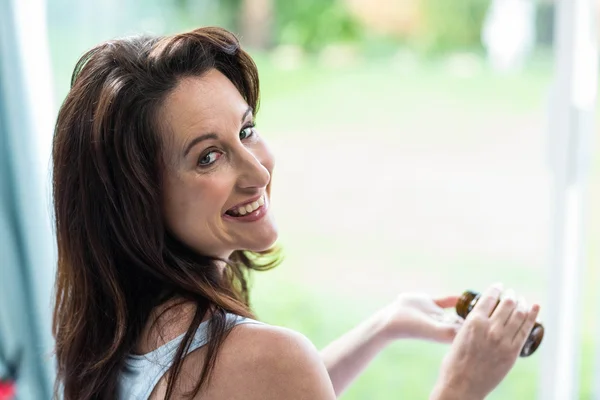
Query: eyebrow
208	136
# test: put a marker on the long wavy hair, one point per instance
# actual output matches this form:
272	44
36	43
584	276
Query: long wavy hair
117	260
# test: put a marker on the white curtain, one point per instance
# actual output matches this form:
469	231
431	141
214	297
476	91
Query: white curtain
27	255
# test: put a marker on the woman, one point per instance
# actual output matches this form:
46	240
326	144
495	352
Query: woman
161	190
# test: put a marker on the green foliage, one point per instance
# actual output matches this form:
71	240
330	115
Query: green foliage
451	25
229	11
312	24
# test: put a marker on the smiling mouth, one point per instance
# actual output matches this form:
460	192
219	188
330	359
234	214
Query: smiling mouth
246	208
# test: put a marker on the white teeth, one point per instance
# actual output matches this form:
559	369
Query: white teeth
248	208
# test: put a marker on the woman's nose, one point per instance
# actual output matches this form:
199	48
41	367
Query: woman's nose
255	169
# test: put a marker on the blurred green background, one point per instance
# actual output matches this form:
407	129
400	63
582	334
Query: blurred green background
405	162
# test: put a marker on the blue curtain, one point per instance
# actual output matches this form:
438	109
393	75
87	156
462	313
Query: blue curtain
27	255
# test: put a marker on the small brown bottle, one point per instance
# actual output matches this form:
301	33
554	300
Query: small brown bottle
467	301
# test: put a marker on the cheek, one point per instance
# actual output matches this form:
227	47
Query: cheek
194	201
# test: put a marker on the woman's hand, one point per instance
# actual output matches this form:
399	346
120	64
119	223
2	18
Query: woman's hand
486	347
419	316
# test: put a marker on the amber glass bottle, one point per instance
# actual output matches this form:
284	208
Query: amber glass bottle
468	300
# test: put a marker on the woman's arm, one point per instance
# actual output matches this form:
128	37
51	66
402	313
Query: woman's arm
346	357
411	315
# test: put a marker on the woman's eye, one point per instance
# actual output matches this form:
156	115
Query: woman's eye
246	132
209	158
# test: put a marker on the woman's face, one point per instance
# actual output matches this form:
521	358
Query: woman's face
217	169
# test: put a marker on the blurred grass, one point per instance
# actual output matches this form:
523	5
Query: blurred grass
327	97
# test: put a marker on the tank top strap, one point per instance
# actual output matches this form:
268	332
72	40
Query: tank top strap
141	373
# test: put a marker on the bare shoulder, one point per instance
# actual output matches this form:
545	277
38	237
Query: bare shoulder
263	362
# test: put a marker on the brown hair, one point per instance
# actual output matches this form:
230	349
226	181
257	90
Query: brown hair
116	259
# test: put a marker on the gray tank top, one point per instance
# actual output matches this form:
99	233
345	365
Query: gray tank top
141	373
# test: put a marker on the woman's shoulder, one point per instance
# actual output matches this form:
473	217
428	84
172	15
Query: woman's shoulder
259	361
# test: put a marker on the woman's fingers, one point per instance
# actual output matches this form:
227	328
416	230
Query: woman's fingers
525	329
505	309
487	302
446	302
517	318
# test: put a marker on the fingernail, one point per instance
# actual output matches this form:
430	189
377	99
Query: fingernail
523	304
510	294
535	308
499	287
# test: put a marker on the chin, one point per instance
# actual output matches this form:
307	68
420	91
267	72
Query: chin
265	243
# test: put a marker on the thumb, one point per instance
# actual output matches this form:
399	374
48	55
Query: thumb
446	332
